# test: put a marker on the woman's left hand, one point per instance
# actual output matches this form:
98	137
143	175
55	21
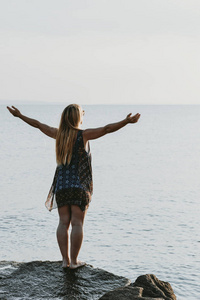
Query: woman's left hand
133	119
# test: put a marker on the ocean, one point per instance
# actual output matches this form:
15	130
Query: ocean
144	214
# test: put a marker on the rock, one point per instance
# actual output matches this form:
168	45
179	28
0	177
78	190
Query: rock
153	287
127	292
47	279
146	287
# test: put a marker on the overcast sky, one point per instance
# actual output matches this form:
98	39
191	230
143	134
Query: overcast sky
100	51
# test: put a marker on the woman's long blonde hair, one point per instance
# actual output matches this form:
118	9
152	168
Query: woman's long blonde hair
67	133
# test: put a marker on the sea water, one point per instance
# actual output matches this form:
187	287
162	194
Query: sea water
144	214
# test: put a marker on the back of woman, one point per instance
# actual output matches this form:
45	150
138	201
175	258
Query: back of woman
72	186
72	182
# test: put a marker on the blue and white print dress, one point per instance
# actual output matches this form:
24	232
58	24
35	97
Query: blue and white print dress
72	184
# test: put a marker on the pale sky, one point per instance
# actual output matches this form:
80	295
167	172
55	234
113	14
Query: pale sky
100	51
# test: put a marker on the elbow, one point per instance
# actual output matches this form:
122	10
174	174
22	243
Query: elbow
38	125
107	129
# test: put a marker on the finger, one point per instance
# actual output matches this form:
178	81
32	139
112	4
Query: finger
134	117
14	107
129	115
137	115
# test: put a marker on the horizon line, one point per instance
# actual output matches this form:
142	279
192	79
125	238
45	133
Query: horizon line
13	102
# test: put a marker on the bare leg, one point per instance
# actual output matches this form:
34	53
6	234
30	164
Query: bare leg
77	219
62	233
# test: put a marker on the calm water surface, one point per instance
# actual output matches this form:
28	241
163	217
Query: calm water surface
144	216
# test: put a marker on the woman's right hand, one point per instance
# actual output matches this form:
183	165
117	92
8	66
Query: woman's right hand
14	111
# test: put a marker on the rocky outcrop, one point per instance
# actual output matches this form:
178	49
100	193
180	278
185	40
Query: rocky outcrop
145	287
153	287
46	279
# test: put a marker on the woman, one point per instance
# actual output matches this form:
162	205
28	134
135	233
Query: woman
72	184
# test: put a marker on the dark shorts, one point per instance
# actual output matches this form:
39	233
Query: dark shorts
73	196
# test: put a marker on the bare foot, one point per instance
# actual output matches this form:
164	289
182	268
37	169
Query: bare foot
65	263
77	265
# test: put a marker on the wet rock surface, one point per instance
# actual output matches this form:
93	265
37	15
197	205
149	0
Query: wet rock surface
146	287
48	280
39	280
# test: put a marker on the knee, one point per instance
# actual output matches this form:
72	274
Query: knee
76	222
64	222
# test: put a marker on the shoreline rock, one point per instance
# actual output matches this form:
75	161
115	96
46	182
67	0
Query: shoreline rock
47	279
146	287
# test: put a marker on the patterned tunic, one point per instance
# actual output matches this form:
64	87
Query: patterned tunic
72	184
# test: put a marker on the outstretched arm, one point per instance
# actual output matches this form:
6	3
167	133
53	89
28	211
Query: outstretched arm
50	131
95	133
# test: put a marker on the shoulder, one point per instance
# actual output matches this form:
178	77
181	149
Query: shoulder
83	134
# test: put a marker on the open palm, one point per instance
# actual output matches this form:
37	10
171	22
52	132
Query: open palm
14	111
133	119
